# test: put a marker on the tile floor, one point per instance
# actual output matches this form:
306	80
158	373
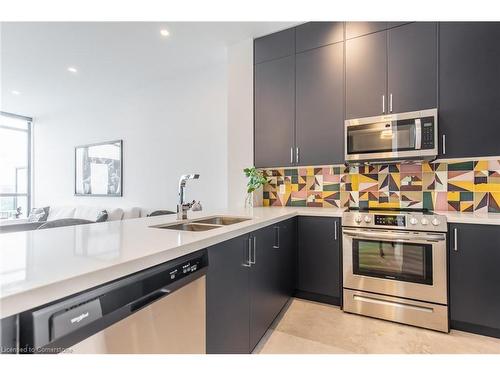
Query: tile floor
306	327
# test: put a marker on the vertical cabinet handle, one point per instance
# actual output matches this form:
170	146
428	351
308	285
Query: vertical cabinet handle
291	155
276	237
248	262
335	230
383	103
297	155
254	250
390	103
455	239
444	144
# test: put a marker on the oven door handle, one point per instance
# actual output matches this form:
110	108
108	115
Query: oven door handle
393	236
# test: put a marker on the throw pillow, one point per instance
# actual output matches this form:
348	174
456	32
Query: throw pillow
38	214
102	216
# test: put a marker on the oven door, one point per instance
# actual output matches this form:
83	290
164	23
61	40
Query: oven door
396	263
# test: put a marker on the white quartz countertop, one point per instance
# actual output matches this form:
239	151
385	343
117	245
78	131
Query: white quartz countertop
37	267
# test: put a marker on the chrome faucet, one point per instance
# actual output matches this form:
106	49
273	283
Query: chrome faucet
182	208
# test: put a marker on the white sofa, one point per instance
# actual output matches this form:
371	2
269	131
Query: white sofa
74	212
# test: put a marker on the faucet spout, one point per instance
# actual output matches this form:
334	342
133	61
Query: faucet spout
183	207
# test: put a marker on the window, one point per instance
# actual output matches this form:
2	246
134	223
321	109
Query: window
15	166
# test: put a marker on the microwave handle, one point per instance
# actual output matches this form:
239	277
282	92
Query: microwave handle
418	134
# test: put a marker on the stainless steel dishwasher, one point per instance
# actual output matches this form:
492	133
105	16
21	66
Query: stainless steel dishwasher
158	310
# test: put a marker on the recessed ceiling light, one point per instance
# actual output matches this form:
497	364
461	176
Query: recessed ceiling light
164	32
72	69
15	92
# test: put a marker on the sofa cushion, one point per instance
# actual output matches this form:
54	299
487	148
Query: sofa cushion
62	212
114	214
87	212
38	214
131	213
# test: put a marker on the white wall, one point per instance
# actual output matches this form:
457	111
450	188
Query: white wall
239	119
170	128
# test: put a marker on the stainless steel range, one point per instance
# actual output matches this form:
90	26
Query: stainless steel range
394	266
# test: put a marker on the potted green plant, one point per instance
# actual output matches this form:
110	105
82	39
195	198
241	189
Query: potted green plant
256	181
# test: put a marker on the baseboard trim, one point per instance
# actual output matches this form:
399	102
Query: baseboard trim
475	328
318	297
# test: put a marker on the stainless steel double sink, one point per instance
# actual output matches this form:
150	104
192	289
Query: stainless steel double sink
203	224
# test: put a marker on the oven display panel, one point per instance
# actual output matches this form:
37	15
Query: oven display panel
390	220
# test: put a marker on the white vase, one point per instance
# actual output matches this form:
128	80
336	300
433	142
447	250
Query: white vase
254	199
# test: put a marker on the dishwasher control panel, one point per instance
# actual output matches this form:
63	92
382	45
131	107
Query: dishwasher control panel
186	268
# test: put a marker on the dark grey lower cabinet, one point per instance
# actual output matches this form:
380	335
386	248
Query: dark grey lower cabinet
319	265
271	276
475	278
243	299
228	302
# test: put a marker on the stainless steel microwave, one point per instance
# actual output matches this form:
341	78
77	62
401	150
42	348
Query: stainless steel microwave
398	136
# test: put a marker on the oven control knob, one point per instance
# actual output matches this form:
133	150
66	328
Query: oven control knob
424	221
358	219
367	219
435	222
413	221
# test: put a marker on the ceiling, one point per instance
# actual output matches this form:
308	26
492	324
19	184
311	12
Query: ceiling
110	57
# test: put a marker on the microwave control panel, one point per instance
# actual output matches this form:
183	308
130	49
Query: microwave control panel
427	133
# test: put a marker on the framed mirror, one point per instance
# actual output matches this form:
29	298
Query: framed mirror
98	169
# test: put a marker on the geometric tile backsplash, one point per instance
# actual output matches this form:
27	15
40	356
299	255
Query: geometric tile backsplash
464	186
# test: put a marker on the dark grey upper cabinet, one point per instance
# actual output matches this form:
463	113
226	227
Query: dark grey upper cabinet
274	112
412	67
474	278
228	309
469	80
274	46
355	29
319	109
317	34
319	256
366	75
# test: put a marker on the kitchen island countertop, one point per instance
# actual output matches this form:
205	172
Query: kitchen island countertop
41	266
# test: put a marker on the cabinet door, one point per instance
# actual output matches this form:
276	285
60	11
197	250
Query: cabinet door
355	29
228	297
274	112
474	278
274	46
412	67
318	34
469	78
264	284
285	247
320	105
366	75
319	256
